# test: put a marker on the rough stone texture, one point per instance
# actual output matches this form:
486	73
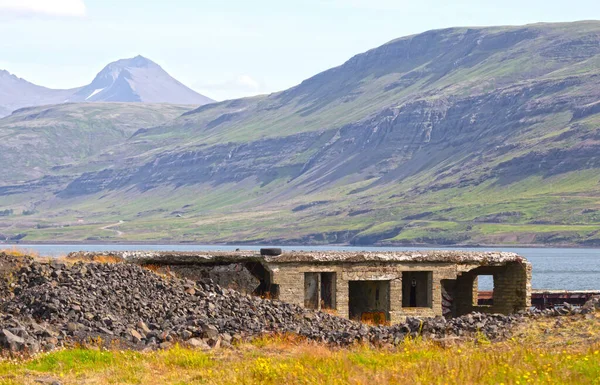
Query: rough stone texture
232	276
513	284
483	258
229	269
592	305
8	265
512	289
457	269
513	274
57	304
54	304
172	257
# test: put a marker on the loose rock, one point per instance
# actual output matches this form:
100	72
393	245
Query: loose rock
53	305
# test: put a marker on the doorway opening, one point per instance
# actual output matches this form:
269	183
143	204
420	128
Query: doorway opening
369	301
328	291
320	291
417	288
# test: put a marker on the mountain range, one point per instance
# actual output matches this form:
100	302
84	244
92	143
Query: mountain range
127	80
463	136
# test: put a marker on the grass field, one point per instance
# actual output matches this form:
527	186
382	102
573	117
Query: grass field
541	352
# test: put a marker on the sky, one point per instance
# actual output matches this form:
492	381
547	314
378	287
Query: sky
227	49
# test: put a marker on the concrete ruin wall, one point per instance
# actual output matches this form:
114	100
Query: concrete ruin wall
233	276
512	289
290	278
512	285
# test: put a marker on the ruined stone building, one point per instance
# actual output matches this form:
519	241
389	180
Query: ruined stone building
358	285
376	286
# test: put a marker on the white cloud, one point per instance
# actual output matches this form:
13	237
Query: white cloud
248	82
237	86
75	8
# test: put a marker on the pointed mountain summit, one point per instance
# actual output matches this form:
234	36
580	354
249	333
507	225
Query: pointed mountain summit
137	80
127	80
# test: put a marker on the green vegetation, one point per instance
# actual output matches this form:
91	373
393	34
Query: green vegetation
525	212
569	353
485	137
34	140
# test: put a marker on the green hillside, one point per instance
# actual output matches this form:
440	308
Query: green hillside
455	136
35	140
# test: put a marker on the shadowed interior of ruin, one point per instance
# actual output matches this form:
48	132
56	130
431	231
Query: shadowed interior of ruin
367	298
416	288
320	290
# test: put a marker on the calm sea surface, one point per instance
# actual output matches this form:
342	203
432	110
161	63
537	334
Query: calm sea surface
567	269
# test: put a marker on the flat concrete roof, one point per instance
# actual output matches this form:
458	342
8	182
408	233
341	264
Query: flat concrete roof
483	258
429	256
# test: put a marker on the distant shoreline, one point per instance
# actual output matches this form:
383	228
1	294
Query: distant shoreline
242	244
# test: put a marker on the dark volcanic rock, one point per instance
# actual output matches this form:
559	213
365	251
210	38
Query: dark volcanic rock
56	304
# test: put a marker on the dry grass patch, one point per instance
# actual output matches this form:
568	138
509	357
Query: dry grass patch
161	270
18	252
567	353
89	259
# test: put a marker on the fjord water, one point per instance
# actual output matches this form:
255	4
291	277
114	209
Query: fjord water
553	268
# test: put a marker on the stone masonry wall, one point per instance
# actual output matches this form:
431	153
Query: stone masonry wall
512	289
512	285
290	278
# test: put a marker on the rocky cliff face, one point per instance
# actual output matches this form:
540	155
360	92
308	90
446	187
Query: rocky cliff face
224	163
397	143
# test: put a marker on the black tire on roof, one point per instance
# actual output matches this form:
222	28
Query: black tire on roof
271	251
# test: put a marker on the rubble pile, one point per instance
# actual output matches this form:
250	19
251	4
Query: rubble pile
48	305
